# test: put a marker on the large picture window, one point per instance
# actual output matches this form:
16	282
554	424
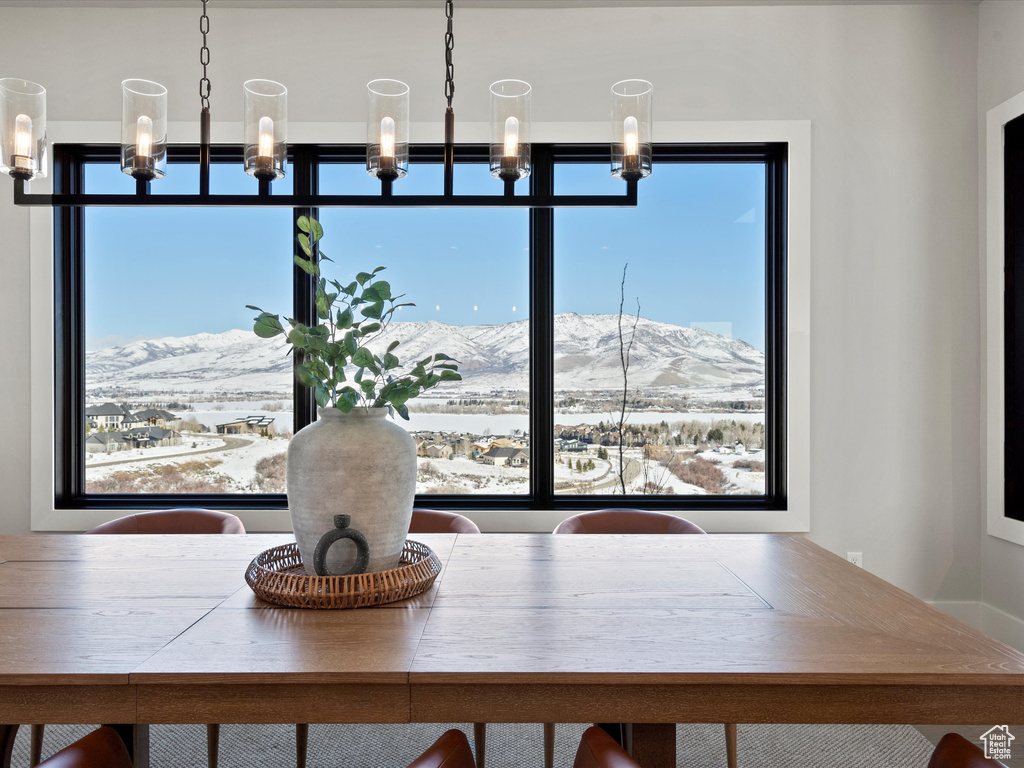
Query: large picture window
604	352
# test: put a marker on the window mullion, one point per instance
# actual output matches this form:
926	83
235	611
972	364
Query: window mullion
542	334
306	180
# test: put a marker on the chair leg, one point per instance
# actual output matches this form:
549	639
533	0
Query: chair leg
7	736
301	744
730	745
212	744
549	745
35	750
479	743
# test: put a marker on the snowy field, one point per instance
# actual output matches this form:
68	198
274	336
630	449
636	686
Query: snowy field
211	414
189	444
464	475
229	462
234	468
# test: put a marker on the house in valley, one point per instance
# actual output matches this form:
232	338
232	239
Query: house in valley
105	442
156	417
438	450
152	437
247	426
502	456
110	416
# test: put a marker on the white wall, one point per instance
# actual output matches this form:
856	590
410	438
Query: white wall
1000	76
891	91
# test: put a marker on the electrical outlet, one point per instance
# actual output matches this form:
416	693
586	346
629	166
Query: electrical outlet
857	558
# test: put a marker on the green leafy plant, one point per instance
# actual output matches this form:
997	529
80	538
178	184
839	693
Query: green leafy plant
351	318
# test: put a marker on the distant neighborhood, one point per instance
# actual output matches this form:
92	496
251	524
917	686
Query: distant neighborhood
500	452
110	427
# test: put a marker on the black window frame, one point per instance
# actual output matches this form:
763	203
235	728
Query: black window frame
1013	314
304	164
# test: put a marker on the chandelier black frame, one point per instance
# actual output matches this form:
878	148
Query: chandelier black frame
633	165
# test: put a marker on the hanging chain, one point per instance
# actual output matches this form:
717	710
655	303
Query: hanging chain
204	59
449	44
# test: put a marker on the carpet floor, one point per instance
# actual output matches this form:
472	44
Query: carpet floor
512	746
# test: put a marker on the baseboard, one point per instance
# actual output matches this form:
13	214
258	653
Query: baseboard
994	622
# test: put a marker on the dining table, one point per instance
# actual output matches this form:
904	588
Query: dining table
648	630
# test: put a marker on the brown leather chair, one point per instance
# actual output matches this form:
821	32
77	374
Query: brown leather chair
436	521
102	748
626	521
637	521
954	751
165	521
450	751
598	750
179	521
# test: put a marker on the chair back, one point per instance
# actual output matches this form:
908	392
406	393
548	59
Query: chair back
174	521
102	748
626	521
435	521
450	751
599	750
954	751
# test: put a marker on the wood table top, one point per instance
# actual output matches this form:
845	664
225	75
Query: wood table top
528	610
689	609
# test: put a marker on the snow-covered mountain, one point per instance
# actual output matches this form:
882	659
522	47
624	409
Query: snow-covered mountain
491	357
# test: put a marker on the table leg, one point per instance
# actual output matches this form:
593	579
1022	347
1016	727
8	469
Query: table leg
7	735
212	744
136	739
301	744
35	745
730	745
480	743
654	744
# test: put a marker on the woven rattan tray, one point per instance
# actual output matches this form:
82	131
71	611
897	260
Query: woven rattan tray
277	576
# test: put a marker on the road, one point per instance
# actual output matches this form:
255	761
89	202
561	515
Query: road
610	479
631	471
230	443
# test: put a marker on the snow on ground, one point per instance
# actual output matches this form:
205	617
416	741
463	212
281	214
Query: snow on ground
240	464
237	464
465	475
743	480
565	472
190	443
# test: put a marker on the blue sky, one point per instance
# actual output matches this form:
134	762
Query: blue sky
695	248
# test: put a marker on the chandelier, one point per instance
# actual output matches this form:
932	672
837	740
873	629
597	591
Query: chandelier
23	146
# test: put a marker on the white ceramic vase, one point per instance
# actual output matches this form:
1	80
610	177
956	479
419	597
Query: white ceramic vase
360	464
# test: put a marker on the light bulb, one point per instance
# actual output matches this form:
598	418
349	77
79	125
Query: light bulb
631	138
23	136
387	137
143	137
512	137
22	164
266	139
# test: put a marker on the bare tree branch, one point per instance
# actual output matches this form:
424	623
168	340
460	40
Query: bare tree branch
625	348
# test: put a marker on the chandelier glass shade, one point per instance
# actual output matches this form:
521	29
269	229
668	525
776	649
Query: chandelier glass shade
265	140
22	128
387	129
631	129
510	130
143	129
